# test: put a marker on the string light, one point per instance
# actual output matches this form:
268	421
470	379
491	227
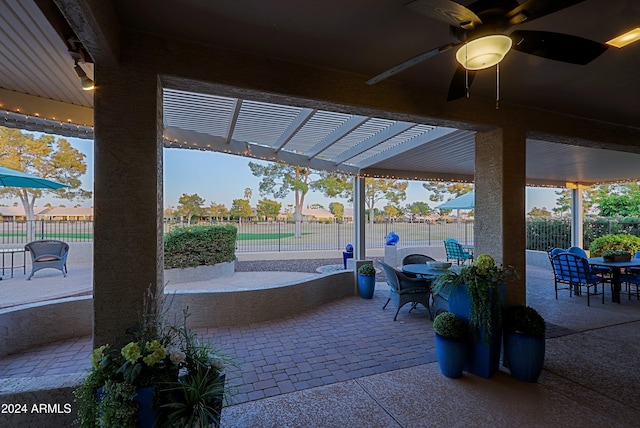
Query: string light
45	124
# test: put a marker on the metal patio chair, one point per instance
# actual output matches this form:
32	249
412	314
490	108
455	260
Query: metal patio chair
456	252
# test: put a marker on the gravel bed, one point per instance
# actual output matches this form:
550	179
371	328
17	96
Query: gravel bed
296	265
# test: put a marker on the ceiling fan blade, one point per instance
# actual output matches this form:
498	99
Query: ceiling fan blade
458	86
533	9
410	63
446	11
557	46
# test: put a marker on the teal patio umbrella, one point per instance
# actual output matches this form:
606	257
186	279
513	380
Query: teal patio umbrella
12	178
462	202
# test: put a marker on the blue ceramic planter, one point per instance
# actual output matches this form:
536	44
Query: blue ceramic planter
452	355
366	286
145	415
524	356
483	359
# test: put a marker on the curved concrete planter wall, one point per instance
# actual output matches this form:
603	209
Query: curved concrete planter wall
199	273
26	326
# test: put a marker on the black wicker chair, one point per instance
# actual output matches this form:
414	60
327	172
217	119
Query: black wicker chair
403	290
48	254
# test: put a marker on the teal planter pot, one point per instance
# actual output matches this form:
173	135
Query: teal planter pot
366	286
483	359
524	356
452	355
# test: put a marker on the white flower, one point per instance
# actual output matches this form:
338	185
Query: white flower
176	355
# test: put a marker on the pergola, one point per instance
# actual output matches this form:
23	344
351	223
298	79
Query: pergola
288	84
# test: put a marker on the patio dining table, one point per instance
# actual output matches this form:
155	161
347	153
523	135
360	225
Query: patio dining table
615	268
423	270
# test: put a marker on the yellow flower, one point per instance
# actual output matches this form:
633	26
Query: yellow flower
97	355
131	352
157	352
484	263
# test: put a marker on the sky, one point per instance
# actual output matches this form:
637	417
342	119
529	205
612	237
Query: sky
221	178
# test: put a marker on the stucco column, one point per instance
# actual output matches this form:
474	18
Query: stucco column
128	253
500	163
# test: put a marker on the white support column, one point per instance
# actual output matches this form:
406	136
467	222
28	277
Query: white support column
359	222
576	216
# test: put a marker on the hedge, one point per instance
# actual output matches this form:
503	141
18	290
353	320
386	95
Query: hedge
628	243
199	245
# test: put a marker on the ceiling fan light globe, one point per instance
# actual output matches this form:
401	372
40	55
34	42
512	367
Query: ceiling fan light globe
483	52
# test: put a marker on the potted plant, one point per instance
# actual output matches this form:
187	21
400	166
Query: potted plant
524	342
616	256
451	343
366	280
164	377
476	294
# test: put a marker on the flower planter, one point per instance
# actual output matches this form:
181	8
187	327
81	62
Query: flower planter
524	356
483	359
366	286
145	415
452	355
617	258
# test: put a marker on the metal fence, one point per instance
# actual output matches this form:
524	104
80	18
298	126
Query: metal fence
280	236
21	232
542	234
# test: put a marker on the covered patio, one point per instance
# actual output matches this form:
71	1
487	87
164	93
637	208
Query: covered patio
160	73
329	367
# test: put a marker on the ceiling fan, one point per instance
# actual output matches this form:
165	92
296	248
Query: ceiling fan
479	32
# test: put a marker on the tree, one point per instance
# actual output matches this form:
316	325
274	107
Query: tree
440	189
190	205
625	204
217	211
248	193
337	209
391	212
44	157
280	179
539	212
419	209
240	209
589	197
563	202
378	189
268	209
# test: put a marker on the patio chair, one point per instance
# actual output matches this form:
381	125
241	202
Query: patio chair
403	290
574	271
456	252
48	254
602	271
414	259
631	280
